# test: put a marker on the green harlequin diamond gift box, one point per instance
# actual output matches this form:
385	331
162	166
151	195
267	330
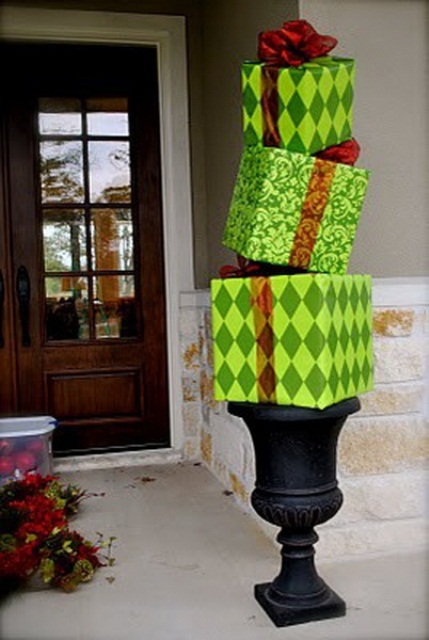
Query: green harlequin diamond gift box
303	340
297	210
304	109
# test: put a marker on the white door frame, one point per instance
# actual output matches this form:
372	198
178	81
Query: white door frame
168	35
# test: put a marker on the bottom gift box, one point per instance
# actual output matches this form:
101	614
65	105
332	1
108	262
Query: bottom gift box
302	340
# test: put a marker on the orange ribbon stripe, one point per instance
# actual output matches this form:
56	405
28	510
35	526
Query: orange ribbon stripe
315	201
262	306
270	106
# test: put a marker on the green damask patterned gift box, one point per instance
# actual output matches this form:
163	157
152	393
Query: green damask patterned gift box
296	210
303	340
303	109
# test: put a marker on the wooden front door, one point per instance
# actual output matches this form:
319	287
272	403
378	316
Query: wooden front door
82	297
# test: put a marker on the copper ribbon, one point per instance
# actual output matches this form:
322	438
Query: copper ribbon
261	301
270	106
315	201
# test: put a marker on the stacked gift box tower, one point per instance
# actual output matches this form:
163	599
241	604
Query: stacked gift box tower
290	326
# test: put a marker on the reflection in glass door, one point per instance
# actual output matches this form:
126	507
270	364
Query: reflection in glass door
86	209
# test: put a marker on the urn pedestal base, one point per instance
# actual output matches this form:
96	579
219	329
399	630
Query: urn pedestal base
296	489
283	614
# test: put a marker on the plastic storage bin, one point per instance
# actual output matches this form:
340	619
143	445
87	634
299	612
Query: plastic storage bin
25	445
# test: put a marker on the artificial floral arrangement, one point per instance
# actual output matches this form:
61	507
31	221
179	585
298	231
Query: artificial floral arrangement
36	539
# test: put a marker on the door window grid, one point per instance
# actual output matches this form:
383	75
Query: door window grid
89	267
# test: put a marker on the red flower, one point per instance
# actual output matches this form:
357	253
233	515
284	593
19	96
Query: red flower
35	537
40	516
345	153
21	562
296	42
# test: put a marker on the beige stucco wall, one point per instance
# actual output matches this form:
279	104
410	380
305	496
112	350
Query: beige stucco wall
219	33
230	29
388	39
192	11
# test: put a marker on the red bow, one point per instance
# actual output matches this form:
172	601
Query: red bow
245	268
296	42
345	153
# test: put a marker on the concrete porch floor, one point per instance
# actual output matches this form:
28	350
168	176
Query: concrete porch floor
187	558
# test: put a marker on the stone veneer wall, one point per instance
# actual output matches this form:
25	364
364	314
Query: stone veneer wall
383	450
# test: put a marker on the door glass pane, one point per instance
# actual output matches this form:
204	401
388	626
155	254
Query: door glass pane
85	181
109	171
66	308
60	116
114	307
112	239
64	240
107	117
61	171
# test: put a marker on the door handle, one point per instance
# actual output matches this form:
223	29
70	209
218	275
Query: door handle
1	308
23	292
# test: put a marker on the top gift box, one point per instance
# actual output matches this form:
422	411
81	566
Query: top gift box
304	108
296	96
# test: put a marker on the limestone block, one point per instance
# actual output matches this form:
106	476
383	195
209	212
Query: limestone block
420	321
191	388
248	469
397	496
382	444
206	447
208	354
206	387
238	488
371	538
192	418
398	360
219	469
188	323
393	399
230	441
386	497
204	346
218	409
191	356
393	322
207	322
426	322
191	450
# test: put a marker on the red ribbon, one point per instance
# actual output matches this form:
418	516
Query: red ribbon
248	268
346	153
296	42
245	268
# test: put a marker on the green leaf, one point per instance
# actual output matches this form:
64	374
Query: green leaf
47	569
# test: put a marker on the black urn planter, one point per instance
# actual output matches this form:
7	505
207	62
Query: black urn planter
296	489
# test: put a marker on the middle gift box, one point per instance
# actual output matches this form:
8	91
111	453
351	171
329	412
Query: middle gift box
291	209
303	340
